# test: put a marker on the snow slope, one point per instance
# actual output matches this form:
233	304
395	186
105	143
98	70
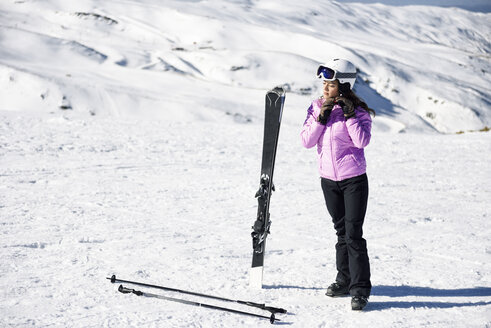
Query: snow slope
130	140
149	201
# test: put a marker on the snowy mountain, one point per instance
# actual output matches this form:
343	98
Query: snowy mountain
421	67
130	144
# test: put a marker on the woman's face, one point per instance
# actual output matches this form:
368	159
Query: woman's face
331	89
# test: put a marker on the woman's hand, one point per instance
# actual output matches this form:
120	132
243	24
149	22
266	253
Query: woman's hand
326	110
347	106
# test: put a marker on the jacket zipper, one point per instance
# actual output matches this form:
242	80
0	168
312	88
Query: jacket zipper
332	155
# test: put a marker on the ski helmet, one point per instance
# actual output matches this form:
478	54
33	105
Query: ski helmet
339	69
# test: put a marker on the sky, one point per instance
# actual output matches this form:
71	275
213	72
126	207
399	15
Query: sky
474	5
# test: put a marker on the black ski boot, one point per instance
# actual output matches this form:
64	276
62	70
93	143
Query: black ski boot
358	303
337	290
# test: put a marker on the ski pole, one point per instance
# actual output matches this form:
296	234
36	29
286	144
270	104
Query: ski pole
271	309
125	290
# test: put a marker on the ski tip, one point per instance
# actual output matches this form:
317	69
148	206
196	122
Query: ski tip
279	90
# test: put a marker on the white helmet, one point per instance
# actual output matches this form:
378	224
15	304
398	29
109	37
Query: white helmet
339	69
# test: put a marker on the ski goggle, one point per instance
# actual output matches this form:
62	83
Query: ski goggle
329	74
326	73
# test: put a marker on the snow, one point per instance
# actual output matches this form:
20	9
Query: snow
130	144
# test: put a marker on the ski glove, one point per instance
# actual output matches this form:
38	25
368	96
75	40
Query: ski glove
326	110
347	106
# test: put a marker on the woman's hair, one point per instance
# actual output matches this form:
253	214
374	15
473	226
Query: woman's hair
345	90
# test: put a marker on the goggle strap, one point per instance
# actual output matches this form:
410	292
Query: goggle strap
340	75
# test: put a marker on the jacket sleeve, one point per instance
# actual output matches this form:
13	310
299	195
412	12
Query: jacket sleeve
359	128
312	129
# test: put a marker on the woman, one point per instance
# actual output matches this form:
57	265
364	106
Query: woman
339	123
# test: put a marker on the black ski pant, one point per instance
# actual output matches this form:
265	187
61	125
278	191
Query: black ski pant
346	202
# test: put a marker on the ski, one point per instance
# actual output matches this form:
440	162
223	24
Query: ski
272	119
271	309
125	290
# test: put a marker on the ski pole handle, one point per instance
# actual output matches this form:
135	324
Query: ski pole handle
125	290
274	309
271	309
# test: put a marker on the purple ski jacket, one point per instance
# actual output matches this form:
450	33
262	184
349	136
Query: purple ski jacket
339	143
